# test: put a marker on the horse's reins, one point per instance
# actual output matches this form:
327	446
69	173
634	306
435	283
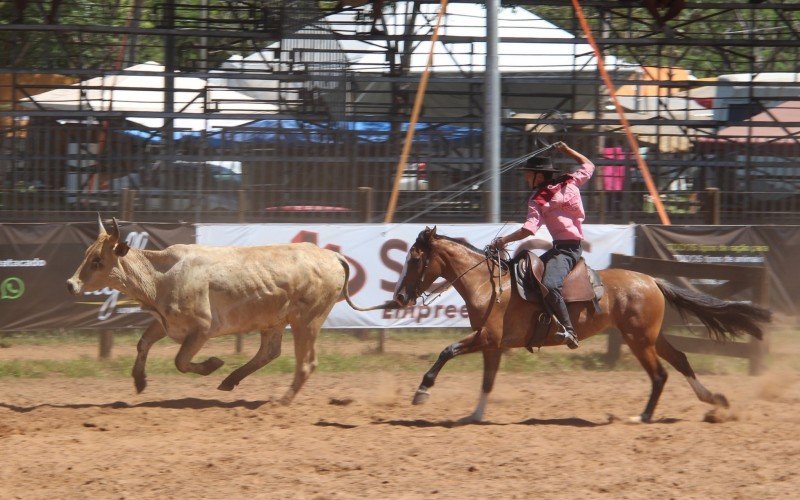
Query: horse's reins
488	258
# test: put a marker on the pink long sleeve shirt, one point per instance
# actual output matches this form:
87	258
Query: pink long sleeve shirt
563	213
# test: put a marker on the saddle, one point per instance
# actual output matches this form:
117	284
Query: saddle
582	284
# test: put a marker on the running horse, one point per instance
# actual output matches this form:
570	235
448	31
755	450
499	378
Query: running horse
633	302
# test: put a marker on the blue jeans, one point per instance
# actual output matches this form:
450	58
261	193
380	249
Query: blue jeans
558	262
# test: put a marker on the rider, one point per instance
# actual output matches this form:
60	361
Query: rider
555	201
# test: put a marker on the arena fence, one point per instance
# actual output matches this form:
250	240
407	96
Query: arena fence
276	111
753	280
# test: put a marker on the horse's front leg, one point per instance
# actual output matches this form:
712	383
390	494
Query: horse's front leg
491	363
471	343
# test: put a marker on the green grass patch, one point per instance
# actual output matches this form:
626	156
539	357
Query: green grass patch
359	355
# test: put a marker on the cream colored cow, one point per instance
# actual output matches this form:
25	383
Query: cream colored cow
198	292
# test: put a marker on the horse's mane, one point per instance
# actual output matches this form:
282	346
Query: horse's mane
460	242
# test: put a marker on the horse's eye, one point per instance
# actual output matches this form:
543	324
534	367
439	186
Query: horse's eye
96	263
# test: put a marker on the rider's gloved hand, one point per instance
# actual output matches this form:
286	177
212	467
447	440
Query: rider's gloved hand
498	243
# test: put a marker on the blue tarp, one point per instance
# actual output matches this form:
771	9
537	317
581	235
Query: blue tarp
304	132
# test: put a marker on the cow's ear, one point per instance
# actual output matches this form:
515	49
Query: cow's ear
121	249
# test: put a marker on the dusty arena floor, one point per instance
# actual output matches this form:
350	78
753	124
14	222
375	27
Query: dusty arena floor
547	435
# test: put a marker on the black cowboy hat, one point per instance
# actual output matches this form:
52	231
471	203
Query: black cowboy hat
536	164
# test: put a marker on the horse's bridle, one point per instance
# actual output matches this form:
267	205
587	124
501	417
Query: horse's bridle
489	257
416	292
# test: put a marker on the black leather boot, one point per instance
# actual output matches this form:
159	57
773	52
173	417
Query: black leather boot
566	335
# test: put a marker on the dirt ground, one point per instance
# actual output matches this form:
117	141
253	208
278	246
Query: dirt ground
547	435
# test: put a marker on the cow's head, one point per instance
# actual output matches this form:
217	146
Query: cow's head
100	262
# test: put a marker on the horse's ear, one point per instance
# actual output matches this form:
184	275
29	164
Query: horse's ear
433	232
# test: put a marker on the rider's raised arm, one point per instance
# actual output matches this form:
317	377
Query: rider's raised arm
586	168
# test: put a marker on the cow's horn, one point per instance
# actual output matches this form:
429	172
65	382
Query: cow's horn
100	224
116	227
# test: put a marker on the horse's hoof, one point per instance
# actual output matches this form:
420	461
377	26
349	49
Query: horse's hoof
721	400
470	419
638	419
420	397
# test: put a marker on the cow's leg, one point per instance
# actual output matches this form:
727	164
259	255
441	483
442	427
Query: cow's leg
270	349
153	334
189	348
305	354
471	343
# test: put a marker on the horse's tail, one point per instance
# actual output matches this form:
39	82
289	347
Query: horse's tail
725	319
389	304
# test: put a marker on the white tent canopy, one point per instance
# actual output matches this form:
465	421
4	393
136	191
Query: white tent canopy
368	55
134	93
468	20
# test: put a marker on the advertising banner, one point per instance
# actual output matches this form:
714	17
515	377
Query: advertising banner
775	247
37	259
377	253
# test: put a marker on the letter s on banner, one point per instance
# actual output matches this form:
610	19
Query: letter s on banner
393	265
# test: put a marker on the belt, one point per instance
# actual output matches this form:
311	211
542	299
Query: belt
566	243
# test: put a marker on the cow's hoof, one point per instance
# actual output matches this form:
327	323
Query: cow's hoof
140	384
211	365
226	385
420	397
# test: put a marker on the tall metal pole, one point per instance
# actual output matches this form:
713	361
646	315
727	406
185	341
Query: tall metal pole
169	89
491	118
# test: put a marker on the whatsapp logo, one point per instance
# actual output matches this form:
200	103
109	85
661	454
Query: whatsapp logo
12	288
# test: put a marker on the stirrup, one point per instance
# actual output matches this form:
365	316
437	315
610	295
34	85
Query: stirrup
565	337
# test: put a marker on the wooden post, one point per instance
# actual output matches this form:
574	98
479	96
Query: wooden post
239	346
124	204
242	205
132	205
712	206
382	340
106	338
760	348
365	202
614	347
601	209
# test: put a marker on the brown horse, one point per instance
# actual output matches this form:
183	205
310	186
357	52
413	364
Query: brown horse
633	302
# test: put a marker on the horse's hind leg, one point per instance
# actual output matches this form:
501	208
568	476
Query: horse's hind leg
678	360
270	349
645	352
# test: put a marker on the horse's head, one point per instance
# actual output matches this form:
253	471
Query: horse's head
420	269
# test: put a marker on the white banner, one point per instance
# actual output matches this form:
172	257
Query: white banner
377	253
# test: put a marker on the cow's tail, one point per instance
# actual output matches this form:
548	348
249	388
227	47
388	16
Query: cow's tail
725	319
389	304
